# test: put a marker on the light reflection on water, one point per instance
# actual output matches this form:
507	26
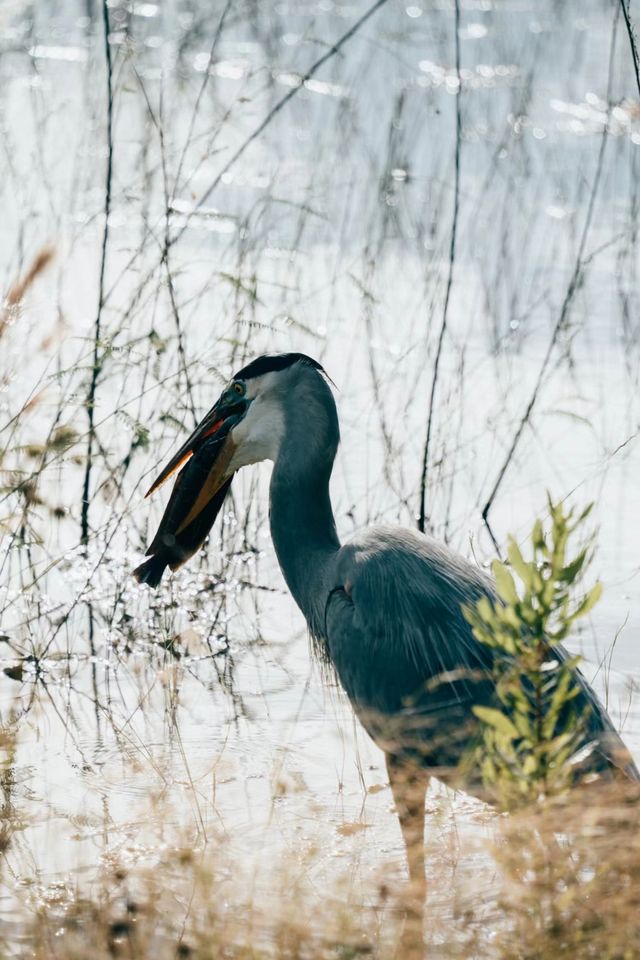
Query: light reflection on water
330	236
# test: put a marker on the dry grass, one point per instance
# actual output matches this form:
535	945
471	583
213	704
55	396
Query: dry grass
559	883
18	290
571	877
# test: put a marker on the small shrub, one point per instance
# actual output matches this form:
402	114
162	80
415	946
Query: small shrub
534	736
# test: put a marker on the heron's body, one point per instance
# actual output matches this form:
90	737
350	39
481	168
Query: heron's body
385	608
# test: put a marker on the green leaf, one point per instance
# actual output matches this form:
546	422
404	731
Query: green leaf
498	720
537	535
510	620
523	725
519	564
569	573
588	603
504	583
484	608
585	513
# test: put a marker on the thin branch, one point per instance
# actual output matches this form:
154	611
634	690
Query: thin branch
351	32
632	40
452	258
182	356
574	285
97	361
203	87
275	110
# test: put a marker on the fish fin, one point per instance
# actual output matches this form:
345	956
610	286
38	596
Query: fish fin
150	572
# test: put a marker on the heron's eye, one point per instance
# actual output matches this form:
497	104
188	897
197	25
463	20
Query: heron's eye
239	388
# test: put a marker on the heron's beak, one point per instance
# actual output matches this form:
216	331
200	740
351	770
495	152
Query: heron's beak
215	429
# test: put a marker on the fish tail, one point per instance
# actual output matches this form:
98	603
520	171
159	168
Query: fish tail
150	572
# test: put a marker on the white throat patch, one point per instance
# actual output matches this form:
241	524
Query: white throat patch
258	436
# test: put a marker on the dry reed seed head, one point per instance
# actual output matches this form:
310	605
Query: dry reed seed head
17	292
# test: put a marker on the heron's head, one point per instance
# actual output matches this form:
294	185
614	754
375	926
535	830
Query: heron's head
247	422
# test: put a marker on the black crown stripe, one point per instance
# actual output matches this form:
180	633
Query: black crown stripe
274	362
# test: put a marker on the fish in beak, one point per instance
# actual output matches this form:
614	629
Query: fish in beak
198	492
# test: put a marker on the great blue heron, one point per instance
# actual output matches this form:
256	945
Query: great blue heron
384	609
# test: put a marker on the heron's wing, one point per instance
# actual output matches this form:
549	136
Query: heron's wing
608	746
407	658
402	649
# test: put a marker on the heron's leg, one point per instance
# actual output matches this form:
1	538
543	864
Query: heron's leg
409	785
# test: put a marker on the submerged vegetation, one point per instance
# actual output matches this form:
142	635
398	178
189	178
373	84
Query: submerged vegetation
439	202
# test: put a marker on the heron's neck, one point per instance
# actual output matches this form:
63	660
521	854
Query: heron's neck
302	524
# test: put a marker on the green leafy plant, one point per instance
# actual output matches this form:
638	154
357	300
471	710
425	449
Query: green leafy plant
534	735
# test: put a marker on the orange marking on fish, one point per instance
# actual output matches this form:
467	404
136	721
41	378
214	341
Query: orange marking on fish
172	466
215	478
165	476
